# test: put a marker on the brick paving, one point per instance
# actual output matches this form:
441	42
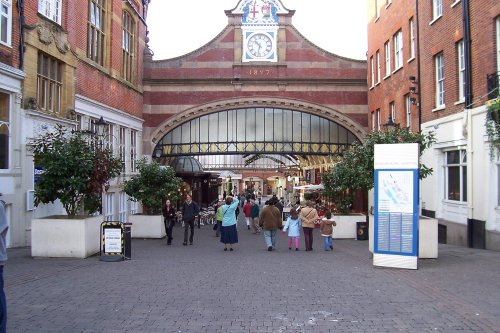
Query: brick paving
201	288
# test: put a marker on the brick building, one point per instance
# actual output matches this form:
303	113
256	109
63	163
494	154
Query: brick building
456	46
258	66
81	60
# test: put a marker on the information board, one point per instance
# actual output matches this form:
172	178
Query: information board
396	206
113	240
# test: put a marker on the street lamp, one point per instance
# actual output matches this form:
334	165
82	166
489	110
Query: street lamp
390	125
100	125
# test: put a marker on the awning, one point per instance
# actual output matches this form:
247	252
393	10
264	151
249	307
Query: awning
309	187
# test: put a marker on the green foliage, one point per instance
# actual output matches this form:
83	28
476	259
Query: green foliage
493	127
75	170
152	186
355	171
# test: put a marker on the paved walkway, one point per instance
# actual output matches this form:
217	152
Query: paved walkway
201	288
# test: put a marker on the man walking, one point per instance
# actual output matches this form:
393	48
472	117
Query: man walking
246	209
190	211
270	220
254	216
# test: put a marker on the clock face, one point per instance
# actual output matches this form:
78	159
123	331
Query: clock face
260	45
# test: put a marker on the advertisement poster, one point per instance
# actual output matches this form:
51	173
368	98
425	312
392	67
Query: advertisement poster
113	240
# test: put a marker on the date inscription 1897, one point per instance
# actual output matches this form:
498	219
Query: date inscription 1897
260	72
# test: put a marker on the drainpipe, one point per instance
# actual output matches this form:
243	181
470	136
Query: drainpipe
468	110
419	85
20	9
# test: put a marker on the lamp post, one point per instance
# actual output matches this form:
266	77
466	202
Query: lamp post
390	125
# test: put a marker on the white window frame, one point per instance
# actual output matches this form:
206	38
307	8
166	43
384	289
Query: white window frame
378	119
439	80
462	168
378	66
122	210
133	150
122	147
133	207
398	50
461	71
387	49
412	38
377	9
392	111
110	207
437	9
51	9
408	110
6	124
373	121
372	67
6	15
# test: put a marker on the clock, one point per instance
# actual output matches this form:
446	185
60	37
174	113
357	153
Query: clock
260	45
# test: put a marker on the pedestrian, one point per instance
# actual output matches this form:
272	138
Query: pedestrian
270	220
326	227
293	225
278	204
190	211
246	209
218	217
3	258
308	216
168	219
254	217
229	234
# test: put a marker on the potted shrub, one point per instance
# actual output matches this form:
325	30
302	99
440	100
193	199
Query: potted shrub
151	186
493	126
75	171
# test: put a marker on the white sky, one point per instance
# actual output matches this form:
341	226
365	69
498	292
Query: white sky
179	27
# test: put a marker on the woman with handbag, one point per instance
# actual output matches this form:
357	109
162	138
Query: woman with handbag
169	219
308	215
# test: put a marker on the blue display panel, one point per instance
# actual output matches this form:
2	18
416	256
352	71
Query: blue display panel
396	212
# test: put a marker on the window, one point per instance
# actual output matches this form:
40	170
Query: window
50	9
109	215
408	110
378	119
392	111
97	16
387	49
133	207
377	9
412	39
373	121
378	66
456	175
437	9
122	213
372	70
133	150
398	50
439	61
49	84
127	46
461	70
121	148
5	22
4	130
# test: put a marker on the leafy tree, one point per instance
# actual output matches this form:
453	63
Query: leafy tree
355	171
152	185
76	168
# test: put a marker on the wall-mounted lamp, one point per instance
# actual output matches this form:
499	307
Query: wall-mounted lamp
158	152
413	100
412	79
99	126
390	125
413	89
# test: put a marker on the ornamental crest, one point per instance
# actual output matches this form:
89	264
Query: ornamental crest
257	12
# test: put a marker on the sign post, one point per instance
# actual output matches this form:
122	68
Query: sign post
396	205
112	241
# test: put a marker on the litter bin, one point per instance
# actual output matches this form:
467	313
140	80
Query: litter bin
361	231
127	238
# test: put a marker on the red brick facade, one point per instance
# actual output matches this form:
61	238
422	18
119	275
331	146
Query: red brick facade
215	74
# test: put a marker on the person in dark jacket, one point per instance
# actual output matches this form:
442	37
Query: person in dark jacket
270	221
169	220
190	211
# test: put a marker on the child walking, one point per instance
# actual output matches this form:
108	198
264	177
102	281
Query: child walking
293	225
326	227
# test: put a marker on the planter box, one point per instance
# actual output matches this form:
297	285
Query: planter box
147	226
346	225
427	237
62	237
